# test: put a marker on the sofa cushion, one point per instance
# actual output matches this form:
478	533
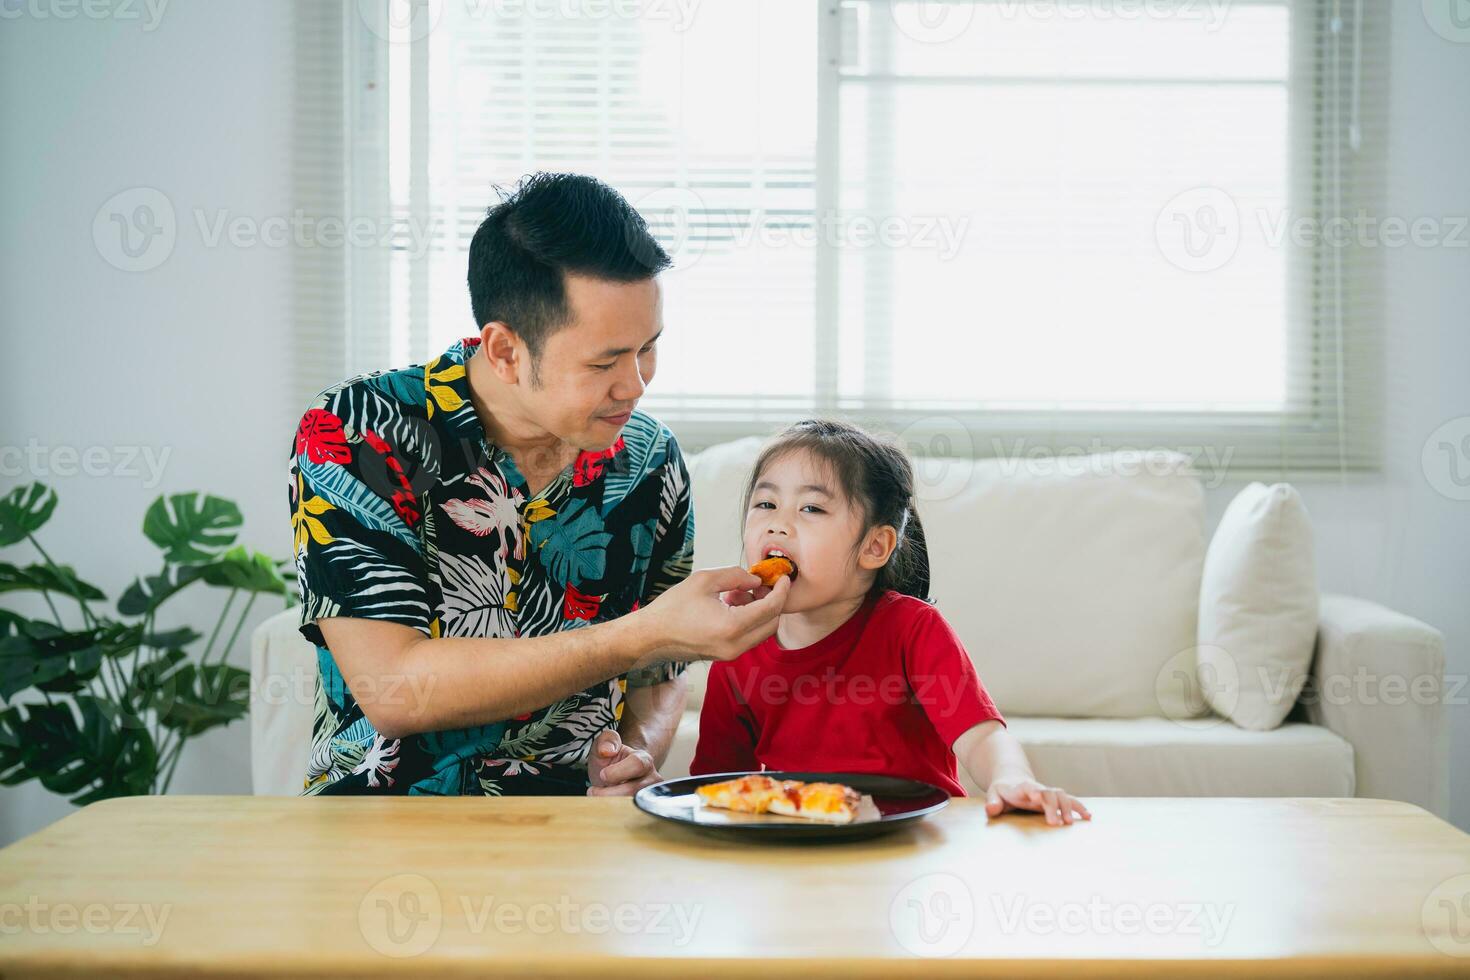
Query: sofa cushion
1152	757
1258	607
1202	757
1073	581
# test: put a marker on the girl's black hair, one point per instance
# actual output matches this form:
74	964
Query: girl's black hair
876	477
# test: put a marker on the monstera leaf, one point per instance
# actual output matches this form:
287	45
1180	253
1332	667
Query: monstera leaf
25	662
121	697
147	594
46	578
172	639
191	527
246	571
194	699
79	753
235	569
24	510
152	683
39	654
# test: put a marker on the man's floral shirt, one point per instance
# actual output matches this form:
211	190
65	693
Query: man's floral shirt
402	511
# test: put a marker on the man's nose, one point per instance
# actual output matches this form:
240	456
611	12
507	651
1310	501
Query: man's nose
630	384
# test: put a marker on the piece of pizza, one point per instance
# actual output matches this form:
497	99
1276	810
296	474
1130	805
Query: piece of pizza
828	802
748	794
772	567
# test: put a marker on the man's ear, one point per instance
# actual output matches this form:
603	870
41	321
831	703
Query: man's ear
877	546
501	349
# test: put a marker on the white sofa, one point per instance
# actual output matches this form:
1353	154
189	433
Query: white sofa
1075	586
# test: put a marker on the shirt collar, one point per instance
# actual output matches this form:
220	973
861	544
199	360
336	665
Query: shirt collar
447	392
451	412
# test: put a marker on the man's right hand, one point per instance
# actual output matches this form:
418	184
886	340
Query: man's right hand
716	614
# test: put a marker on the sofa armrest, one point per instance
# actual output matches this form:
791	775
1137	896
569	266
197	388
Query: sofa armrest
283	680
1378	681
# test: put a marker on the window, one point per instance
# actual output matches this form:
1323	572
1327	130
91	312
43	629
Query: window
999	227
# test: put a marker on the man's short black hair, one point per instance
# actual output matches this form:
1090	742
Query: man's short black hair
550	225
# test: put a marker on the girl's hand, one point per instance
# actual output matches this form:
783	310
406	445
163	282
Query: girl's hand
1028	794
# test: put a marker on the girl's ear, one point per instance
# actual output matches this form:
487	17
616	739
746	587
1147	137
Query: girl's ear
877	547
498	345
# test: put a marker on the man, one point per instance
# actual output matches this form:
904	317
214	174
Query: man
480	540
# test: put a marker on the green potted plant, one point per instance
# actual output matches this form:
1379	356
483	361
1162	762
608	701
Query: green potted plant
115	697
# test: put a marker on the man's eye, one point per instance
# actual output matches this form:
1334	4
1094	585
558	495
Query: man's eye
605	367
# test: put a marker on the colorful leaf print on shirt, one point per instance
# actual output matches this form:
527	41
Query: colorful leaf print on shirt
402	512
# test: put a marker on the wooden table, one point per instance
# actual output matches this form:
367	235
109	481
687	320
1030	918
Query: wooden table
523	887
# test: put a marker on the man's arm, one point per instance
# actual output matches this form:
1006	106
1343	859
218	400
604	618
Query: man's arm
407	683
624	760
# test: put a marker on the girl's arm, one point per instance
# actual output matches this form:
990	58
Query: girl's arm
995	760
965	717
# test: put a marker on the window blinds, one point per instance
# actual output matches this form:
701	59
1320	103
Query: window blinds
996	227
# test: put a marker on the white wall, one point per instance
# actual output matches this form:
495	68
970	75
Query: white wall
188	357
1396	539
1411	543
185	358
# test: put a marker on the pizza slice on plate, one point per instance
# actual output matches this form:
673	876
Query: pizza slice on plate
828	802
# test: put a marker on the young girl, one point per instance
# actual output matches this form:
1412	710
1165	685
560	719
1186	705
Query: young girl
863	675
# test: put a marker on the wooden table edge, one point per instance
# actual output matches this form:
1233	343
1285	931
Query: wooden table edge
130	965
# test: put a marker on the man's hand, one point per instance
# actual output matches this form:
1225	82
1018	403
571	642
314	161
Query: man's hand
616	769
712	614
740	597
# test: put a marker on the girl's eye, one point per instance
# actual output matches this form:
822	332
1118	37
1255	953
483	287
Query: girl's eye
762	504
814	509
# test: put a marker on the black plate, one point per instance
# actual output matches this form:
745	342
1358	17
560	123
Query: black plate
888	803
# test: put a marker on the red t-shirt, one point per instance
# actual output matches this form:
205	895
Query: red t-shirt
887	692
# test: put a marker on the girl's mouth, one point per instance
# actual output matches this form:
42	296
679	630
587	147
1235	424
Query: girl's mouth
773	566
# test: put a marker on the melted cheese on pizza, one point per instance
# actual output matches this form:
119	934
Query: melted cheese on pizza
830	802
